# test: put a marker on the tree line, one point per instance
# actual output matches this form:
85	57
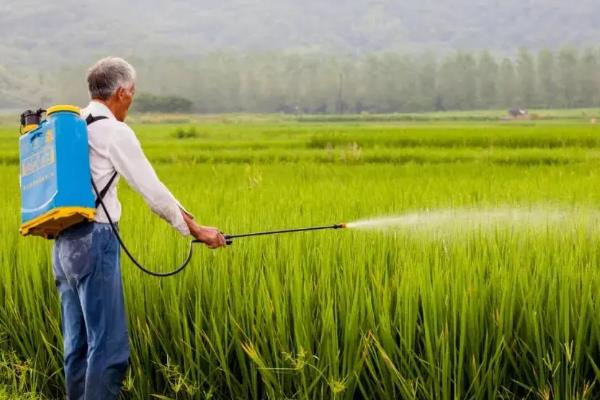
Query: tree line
322	83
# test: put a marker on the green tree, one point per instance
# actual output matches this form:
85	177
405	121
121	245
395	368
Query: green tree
588	79
487	73
427	81
146	102
406	73
448	85
546	79
566	78
507	84
467	81
526	80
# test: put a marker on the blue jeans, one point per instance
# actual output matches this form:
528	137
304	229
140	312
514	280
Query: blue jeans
96	350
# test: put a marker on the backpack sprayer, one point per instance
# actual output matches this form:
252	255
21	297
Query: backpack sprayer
57	190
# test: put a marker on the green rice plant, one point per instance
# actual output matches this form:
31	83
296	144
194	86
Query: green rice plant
443	313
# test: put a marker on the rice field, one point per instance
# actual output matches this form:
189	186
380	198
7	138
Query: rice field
508	312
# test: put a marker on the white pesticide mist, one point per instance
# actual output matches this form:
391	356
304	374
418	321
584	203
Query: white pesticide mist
490	219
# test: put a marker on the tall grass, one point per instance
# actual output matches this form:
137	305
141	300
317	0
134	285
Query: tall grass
341	314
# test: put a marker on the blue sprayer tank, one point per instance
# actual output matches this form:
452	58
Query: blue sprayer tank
56	189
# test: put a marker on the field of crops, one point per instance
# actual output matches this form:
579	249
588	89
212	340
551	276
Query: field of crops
412	314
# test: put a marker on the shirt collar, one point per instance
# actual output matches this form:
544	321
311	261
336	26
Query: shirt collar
98	109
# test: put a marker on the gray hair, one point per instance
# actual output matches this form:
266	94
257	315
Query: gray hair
108	75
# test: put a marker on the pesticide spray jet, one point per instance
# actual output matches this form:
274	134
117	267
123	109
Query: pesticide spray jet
453	220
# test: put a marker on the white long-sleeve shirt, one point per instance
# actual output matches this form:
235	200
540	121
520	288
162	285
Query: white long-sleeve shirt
114	147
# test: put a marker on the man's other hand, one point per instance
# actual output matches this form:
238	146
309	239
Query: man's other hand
208	235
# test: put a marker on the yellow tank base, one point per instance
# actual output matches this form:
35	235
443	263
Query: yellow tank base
50	224
28	128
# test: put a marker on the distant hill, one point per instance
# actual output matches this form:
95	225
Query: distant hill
313	56
69	31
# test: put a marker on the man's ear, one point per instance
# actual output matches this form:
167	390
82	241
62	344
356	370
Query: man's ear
119	93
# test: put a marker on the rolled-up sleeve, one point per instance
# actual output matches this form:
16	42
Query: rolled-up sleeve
127	156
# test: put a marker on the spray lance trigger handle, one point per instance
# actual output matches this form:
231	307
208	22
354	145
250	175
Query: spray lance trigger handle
228	239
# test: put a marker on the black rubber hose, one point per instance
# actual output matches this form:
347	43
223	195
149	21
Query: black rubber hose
133	260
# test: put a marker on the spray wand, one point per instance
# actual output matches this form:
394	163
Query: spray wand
229	238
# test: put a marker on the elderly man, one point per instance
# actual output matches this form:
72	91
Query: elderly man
86	256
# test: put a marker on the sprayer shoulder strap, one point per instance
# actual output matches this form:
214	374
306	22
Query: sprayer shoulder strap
90	120
105	189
